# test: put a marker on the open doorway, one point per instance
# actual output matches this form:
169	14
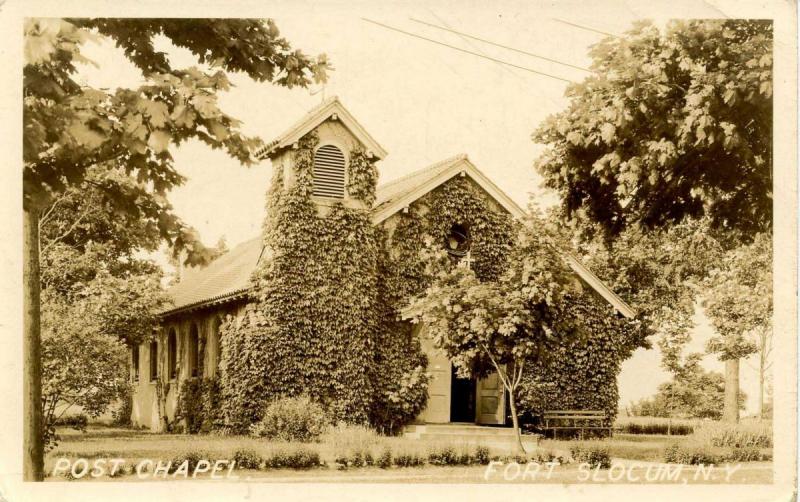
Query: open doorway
462	398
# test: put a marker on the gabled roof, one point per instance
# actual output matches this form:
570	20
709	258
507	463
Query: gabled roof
329	108
400	193
598	285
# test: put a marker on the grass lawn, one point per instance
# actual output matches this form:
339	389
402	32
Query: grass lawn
635	458
648	448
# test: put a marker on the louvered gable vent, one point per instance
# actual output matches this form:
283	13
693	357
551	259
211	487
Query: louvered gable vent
329	172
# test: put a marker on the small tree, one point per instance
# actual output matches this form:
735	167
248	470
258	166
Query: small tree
738	301
697	394
501	325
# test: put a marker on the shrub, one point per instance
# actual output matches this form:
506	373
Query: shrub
353	445
359	458
445	455
409	459
594	454
543	457
482	455
79	421
300	458
716	443
746	454
385	459
121	416
453	455
291	419
692	454
657	428
190	456
695	453
247	459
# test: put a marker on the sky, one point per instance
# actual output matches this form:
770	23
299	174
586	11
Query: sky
421	101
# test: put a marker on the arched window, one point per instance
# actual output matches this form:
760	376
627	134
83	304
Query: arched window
328	173
194	348
153	361
172	354
135	363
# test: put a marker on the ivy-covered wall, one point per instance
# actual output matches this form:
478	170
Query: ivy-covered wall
309	328
402	382
582	374
324	316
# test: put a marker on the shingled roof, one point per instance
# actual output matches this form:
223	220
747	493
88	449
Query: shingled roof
225	278
397	188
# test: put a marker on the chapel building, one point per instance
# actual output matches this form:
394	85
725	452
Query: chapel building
188	343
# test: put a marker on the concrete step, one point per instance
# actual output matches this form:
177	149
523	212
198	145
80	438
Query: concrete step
457	432
483	431
465	438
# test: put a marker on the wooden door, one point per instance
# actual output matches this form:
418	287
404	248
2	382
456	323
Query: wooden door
439	387
491	405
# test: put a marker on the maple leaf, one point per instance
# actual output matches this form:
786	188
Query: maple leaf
85	136
159	140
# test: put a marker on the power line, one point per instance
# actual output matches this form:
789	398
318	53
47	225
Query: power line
464	50
471	44
585	27
499	45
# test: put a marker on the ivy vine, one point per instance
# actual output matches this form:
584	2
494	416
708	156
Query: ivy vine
310	327
362	177
324	319
582	373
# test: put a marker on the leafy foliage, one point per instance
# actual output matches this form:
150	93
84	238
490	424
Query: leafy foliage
362	177
117	143
81	364
198	405
596	455
330	329
401	382
655	133
310	329
98	297
291	419
511	324
582	372
71	130
717	443
696	394
738	299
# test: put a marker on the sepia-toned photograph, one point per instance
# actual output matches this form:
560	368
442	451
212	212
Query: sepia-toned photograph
525	245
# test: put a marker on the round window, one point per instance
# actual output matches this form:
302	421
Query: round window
457	242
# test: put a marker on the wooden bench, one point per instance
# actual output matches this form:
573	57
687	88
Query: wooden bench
581	420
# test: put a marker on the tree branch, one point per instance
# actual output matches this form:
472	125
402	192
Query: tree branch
64	235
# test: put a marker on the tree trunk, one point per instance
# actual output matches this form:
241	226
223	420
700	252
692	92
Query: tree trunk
519	448
33	428
730	412
761	373
761	395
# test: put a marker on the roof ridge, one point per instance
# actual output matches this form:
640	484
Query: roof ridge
261	152
448	160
